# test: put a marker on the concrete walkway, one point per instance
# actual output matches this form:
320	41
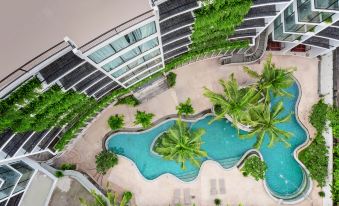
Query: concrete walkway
190	82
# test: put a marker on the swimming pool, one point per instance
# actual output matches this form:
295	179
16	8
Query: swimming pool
285	177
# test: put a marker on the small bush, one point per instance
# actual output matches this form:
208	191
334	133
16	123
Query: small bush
217	201
255	167
245	174
59	174
116	122
68	166
217	109
318	116
143	118
129	100
171	79
321	194
105	160
185	108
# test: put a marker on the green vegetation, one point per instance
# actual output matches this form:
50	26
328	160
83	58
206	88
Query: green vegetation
272	80
263	121
68	166
321	194
185	108
111	199
30	109
129	100
217	109
333	116
171	79
217	201
315	156
105	160
143	118
181	144
255	167
59	174
116	122
335	185
235	101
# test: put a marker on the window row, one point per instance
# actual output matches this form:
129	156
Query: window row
123	42
143	75
136	63
131	54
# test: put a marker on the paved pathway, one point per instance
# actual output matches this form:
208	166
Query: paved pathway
190	82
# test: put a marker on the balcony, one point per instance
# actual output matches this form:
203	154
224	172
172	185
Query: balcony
176	22
252	23
261	11
173	7
243	33
176	44
176	35
176	52
83	84
73	77
330	32
305	13
318	41
97	86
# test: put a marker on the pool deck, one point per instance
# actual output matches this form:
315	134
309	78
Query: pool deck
190	82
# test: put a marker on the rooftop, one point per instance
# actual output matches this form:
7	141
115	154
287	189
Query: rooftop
37	25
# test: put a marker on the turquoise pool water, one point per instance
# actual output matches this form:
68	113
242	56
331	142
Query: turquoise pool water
284	176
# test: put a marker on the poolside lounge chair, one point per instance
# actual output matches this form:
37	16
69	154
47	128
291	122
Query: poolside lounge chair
187	196
222	188
176	198
213	183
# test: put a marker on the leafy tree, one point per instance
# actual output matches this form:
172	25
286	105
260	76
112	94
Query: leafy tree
185	108
181	144
255	167
105	160
272	79
116	122
143	118
171	79
111	199
263	121
235	101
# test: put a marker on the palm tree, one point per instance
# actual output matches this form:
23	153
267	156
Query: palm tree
109	200
181	144
235	101
263	122
272	79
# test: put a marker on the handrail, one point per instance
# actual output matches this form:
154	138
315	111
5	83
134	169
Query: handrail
13	76
116	30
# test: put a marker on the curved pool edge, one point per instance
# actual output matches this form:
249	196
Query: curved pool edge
300	196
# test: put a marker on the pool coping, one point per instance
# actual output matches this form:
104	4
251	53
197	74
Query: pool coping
248	153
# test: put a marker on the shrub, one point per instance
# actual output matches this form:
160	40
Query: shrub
68	166
217	109
333	116
245	174
318	116
105	160
217	201
321	194
129	100
143	118
185	108
59	174
335	185
116	122
255	167
171	79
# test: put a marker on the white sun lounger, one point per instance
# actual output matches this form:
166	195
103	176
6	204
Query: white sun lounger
187	196
213	183
176	199
222	188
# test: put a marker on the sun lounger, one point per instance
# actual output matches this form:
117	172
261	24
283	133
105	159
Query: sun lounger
222	188
176	199
213	183
187	196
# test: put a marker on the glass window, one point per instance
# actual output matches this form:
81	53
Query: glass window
120	72
102	54
149	45
130	54
113	64
136	63
152	55
145	31
120	43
